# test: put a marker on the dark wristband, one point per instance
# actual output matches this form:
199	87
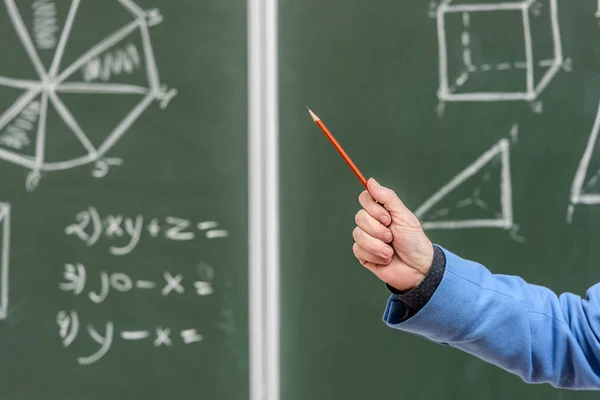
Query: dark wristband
417	298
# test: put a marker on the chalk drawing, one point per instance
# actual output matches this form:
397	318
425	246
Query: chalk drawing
535	63
434	212
23	124
585	188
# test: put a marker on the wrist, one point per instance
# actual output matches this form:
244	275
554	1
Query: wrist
424	265
418	280
416	297
420	267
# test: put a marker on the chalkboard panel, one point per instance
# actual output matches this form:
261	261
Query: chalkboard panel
478	125
123	186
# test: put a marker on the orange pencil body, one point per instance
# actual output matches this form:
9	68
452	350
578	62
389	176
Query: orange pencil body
339	148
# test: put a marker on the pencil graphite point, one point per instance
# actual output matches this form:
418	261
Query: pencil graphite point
312	114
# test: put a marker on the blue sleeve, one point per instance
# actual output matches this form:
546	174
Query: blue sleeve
522	328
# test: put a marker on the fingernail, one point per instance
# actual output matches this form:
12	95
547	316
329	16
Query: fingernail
388	236
384	219
376	184
388	252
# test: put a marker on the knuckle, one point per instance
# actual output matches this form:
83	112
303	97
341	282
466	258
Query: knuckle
363	196
356	233
389	193
386	250
359	217
378	248
375	211
365	219
386	234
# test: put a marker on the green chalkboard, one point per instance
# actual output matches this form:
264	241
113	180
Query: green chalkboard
123	187
374	73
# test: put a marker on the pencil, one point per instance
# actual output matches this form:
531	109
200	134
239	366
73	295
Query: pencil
339	148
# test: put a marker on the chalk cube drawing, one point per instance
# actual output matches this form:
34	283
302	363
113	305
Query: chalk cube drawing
4	257
497	50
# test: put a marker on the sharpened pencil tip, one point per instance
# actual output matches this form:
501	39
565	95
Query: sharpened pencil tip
312	114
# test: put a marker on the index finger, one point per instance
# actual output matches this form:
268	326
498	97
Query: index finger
374	209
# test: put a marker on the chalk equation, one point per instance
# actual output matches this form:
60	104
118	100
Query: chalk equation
49	126
69	327
90	227
75	279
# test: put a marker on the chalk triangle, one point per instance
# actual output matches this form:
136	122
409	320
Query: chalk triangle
44	23
119	112
586	184
120	62
67	142
90	35
4	208
16	63
478	197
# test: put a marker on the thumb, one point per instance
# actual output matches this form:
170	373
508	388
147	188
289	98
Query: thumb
386	197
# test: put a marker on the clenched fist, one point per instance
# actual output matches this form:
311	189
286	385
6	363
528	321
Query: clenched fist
389	240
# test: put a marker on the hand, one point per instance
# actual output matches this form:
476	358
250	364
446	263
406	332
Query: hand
389	240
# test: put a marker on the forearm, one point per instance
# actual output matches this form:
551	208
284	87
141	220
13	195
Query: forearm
522	328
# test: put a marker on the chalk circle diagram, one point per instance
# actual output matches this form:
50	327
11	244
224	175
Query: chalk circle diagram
497	50
480	196
73	82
